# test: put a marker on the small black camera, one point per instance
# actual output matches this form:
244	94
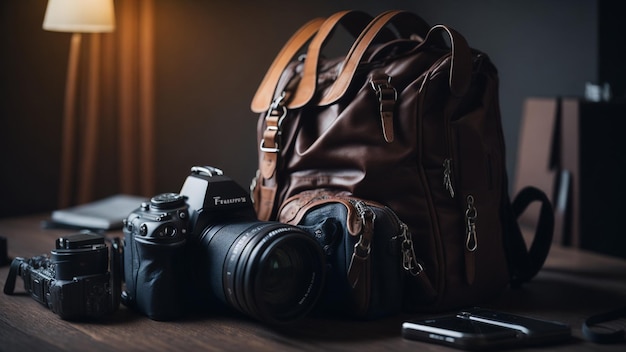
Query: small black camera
188	250
74	281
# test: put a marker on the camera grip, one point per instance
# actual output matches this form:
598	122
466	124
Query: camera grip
154	278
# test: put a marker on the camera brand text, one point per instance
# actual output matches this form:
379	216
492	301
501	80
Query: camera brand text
219	201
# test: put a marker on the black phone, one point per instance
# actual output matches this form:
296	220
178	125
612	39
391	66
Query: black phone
479	329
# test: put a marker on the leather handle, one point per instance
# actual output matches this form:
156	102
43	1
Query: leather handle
318	29
265	93
354	21
407	24
359	48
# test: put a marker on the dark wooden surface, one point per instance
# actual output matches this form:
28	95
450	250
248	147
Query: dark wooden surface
572	285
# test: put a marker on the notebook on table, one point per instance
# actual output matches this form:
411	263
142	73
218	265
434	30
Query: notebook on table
104	214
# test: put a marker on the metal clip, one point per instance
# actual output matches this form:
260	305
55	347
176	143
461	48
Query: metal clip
384	90
471	241
277	101
409	259
274	119
363	247
361	253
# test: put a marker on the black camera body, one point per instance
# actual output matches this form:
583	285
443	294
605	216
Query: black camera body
204	246
155	236
74	281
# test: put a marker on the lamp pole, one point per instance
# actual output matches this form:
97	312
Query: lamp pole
68	145
77	17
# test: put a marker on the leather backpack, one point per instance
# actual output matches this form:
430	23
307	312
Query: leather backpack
408	118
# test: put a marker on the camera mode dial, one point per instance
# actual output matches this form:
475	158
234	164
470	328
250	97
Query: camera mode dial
167	201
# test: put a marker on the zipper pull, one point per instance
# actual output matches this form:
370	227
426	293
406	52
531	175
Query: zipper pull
471	240
362	248
447	176
424	288
409	260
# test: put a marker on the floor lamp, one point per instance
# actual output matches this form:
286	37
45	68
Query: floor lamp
76	17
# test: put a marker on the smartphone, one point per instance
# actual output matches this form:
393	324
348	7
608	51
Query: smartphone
480	329
534	331
460	332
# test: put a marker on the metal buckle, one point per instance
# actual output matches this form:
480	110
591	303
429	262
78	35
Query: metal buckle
273	110
265	149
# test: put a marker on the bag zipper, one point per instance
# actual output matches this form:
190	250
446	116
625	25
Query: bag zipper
470	214
447	176
471	238
409	259
362	249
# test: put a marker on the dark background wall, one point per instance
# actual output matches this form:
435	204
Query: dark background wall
211	55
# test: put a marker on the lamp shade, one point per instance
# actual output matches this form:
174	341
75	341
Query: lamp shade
79	16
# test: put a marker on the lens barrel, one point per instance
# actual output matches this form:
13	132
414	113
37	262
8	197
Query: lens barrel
271	271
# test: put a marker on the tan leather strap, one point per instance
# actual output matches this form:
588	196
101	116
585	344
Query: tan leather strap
407	23
360	46
265	93
354	21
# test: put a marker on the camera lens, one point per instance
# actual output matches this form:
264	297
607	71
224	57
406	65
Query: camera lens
286	276
280	272
271	271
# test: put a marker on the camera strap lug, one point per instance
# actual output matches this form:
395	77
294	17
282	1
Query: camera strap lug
9	285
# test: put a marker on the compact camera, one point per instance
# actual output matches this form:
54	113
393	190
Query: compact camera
74	281
204	245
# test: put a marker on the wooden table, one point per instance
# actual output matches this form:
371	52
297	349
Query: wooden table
573	285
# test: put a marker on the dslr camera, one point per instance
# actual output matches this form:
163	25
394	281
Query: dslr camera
74	281
205	248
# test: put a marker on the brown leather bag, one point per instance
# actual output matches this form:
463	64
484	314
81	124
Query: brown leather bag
409	121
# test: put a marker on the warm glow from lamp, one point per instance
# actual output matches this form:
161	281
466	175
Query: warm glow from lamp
90	16
78	17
